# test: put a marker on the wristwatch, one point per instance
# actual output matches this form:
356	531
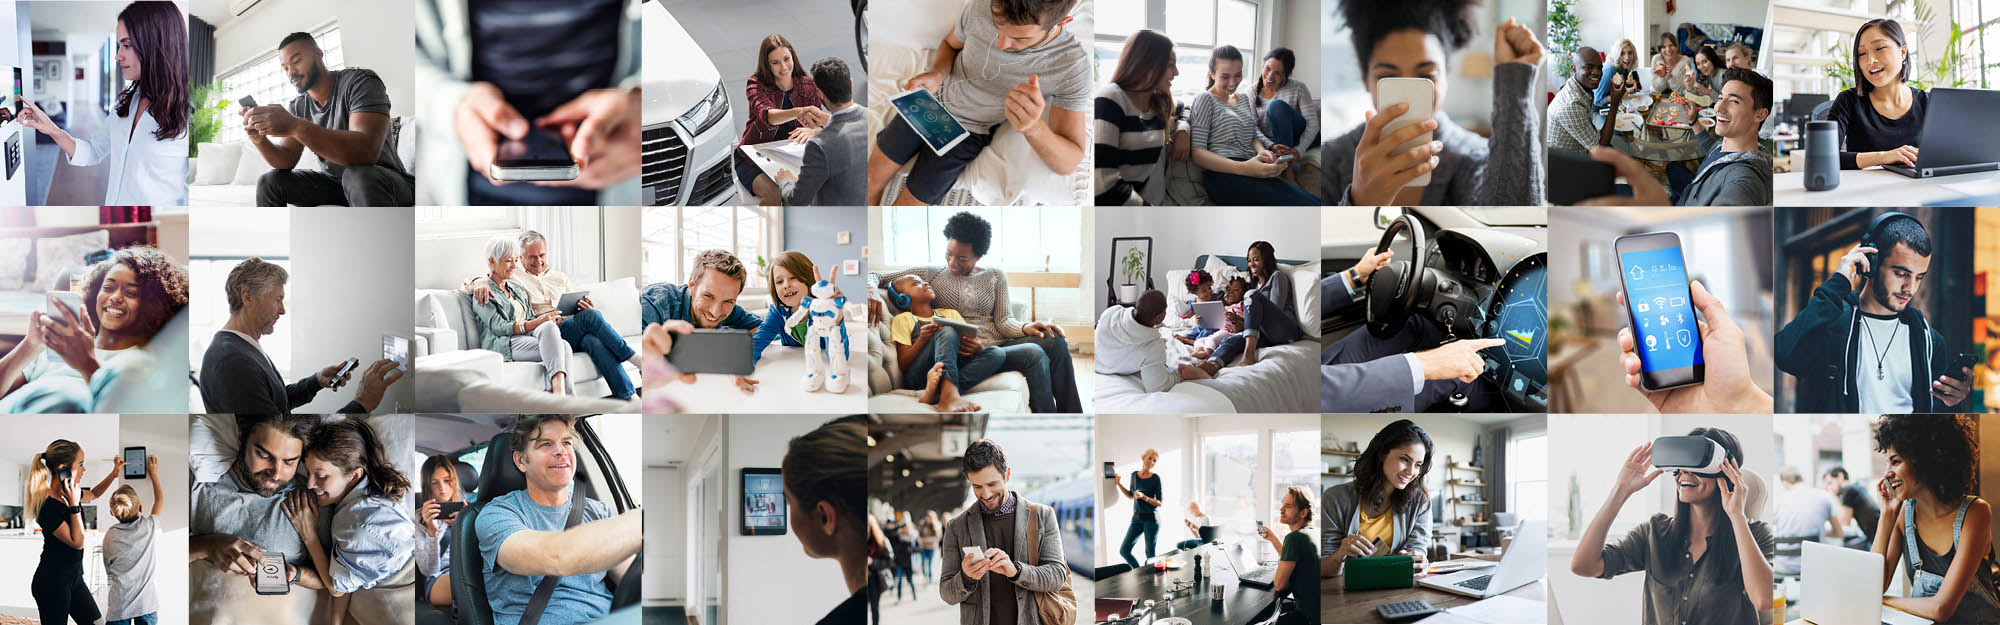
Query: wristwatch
294	581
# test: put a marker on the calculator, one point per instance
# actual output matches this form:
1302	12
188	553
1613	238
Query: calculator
1405	610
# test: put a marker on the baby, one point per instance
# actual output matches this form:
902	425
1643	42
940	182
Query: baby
1129	342
935	358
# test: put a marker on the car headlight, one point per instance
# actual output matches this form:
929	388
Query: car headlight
706	113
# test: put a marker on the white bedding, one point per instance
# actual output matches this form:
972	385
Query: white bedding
1282	381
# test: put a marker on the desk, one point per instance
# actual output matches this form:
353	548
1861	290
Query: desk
1336	605
1238	606
1880	187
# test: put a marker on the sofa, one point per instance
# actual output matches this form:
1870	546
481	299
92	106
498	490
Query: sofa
1004	393
1284	380
225	174
448	359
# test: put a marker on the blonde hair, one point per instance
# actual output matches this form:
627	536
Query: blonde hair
125	503
41	474
1623	45
1150	453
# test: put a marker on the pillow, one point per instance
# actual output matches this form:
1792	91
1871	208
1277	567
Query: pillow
215	163
1305	279
307	160
430	314
917	24
55	256
618	301
248	167
406	142
14	266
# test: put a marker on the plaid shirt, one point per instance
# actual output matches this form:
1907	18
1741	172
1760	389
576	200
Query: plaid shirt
1570	126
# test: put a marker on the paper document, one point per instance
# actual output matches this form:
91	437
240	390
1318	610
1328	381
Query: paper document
776	156
1501	609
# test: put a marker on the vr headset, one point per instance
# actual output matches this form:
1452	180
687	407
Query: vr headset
1699	455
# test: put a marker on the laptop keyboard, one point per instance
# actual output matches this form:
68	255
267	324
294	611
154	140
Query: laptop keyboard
1476	583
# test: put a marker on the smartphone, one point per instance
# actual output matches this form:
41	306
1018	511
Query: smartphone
69	298
1962	361
1421	95
1574	177
541	155
1653	274
969	551
449	509
712	350
248	102
271	578
344	369
1287	158
135	463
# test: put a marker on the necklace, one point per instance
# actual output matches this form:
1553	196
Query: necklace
1882	353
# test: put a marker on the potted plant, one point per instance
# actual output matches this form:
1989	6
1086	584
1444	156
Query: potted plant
1133	268
205	125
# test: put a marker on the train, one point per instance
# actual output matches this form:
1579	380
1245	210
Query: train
1074	499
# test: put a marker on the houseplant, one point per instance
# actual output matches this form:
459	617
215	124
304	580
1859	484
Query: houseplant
206	123
1133	268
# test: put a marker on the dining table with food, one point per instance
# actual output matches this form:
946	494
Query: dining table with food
1664	129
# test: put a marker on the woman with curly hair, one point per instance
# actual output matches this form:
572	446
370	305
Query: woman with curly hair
1369	165
146	142
1931	516
128	298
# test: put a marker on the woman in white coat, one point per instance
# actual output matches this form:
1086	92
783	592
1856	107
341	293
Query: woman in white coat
145	144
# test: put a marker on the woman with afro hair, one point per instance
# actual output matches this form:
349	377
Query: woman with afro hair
71	357
1931	515
1417	39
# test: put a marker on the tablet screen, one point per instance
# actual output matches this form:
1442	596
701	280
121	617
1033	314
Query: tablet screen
763	502
928	117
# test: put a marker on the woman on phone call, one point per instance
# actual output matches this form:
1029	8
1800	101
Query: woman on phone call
69	358
60	592
145	143
1416	39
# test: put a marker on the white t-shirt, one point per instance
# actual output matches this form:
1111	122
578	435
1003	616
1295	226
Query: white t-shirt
1887	389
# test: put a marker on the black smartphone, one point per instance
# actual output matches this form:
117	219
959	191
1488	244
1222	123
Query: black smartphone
248	102
1111	470
135	463
449	509
541	155
712	350
1961	362
1660	308
1573	177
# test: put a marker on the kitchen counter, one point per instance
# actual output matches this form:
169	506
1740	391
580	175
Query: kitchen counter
25	546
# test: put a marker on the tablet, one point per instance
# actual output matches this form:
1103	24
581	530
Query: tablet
398	349
763	502
964	329
567	305
709	350
927	116
1212	314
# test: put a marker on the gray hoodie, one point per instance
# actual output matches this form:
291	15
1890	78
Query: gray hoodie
1472	170
1735	179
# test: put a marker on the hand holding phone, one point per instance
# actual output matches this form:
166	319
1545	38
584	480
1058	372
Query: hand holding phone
1396	148
1660	305
271	578
540	155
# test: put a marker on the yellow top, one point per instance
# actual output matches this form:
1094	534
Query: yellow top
1381	529
902	327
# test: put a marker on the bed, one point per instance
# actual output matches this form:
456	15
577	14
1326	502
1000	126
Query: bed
1284	380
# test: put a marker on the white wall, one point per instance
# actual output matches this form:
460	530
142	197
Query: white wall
666	531
375	34
441	261
1297	28
1181	233
165	437
756	565
350	284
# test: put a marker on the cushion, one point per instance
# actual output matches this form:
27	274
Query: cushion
406	142
911	23
215	163
55	256
430	314
249	168
1305	280
493	398
14	265
618	301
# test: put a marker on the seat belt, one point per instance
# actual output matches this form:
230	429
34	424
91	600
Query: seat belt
547	588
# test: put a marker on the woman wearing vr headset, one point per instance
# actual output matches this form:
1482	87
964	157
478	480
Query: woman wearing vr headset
1928	503
1706	563
1386	509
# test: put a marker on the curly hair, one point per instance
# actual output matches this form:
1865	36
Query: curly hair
1197	278
163	287
983	453
1371	21
1940	451
971	230
1368	475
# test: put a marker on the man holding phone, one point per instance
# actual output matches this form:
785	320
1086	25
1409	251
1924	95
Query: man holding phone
1858	346
585	330
237	377
995	585
343	115
236	516
708	300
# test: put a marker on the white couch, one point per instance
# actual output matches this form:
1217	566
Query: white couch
449	360
1004	393
1284	380
225	174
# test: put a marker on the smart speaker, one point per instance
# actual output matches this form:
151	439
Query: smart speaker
1822	155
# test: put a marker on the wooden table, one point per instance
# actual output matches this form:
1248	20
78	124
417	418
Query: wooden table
1337	605
1239	603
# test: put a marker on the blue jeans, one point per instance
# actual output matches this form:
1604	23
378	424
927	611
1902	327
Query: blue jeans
927	555
1233	190
589	333
149	619
966	372
1132	531
1287	125
1272	325
1061	394
903	576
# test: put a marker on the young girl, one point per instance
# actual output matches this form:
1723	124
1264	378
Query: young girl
1202	286
374	537
1930	517
791	279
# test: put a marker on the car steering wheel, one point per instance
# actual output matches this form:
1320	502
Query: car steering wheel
1392	294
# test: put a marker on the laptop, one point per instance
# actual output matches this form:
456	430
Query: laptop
1525	561
1243	559
1958	137
1211	313
1844	587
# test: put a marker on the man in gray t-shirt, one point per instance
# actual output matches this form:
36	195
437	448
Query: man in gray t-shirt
344	117
1004	62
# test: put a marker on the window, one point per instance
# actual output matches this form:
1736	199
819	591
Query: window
1229	481
1196	26
1294	462
1528	476
264	79
464	220
1982	53
675	234
206	315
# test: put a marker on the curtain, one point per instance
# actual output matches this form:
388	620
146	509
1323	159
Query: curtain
124	214
558	224
201	51
1495	440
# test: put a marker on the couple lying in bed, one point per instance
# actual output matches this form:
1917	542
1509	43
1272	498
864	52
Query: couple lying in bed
1129	340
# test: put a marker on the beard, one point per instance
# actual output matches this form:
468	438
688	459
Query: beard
1880	288
312	77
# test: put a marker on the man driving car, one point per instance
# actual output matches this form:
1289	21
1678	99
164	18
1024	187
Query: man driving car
525	544
1362	373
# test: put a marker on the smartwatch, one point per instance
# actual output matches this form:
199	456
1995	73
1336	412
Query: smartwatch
294	581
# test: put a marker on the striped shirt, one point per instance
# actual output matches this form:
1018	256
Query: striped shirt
1230	131
1129	140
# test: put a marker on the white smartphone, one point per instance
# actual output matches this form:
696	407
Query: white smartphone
970	551
398	349
1421	95
69	298
271	575
1285	158
349	366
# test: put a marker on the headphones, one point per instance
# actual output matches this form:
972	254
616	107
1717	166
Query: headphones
900	298
1873	234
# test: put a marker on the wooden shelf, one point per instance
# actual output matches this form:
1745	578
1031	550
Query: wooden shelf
1460	467
1462	502
1474	524
1331	474
1339	452
1469	483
